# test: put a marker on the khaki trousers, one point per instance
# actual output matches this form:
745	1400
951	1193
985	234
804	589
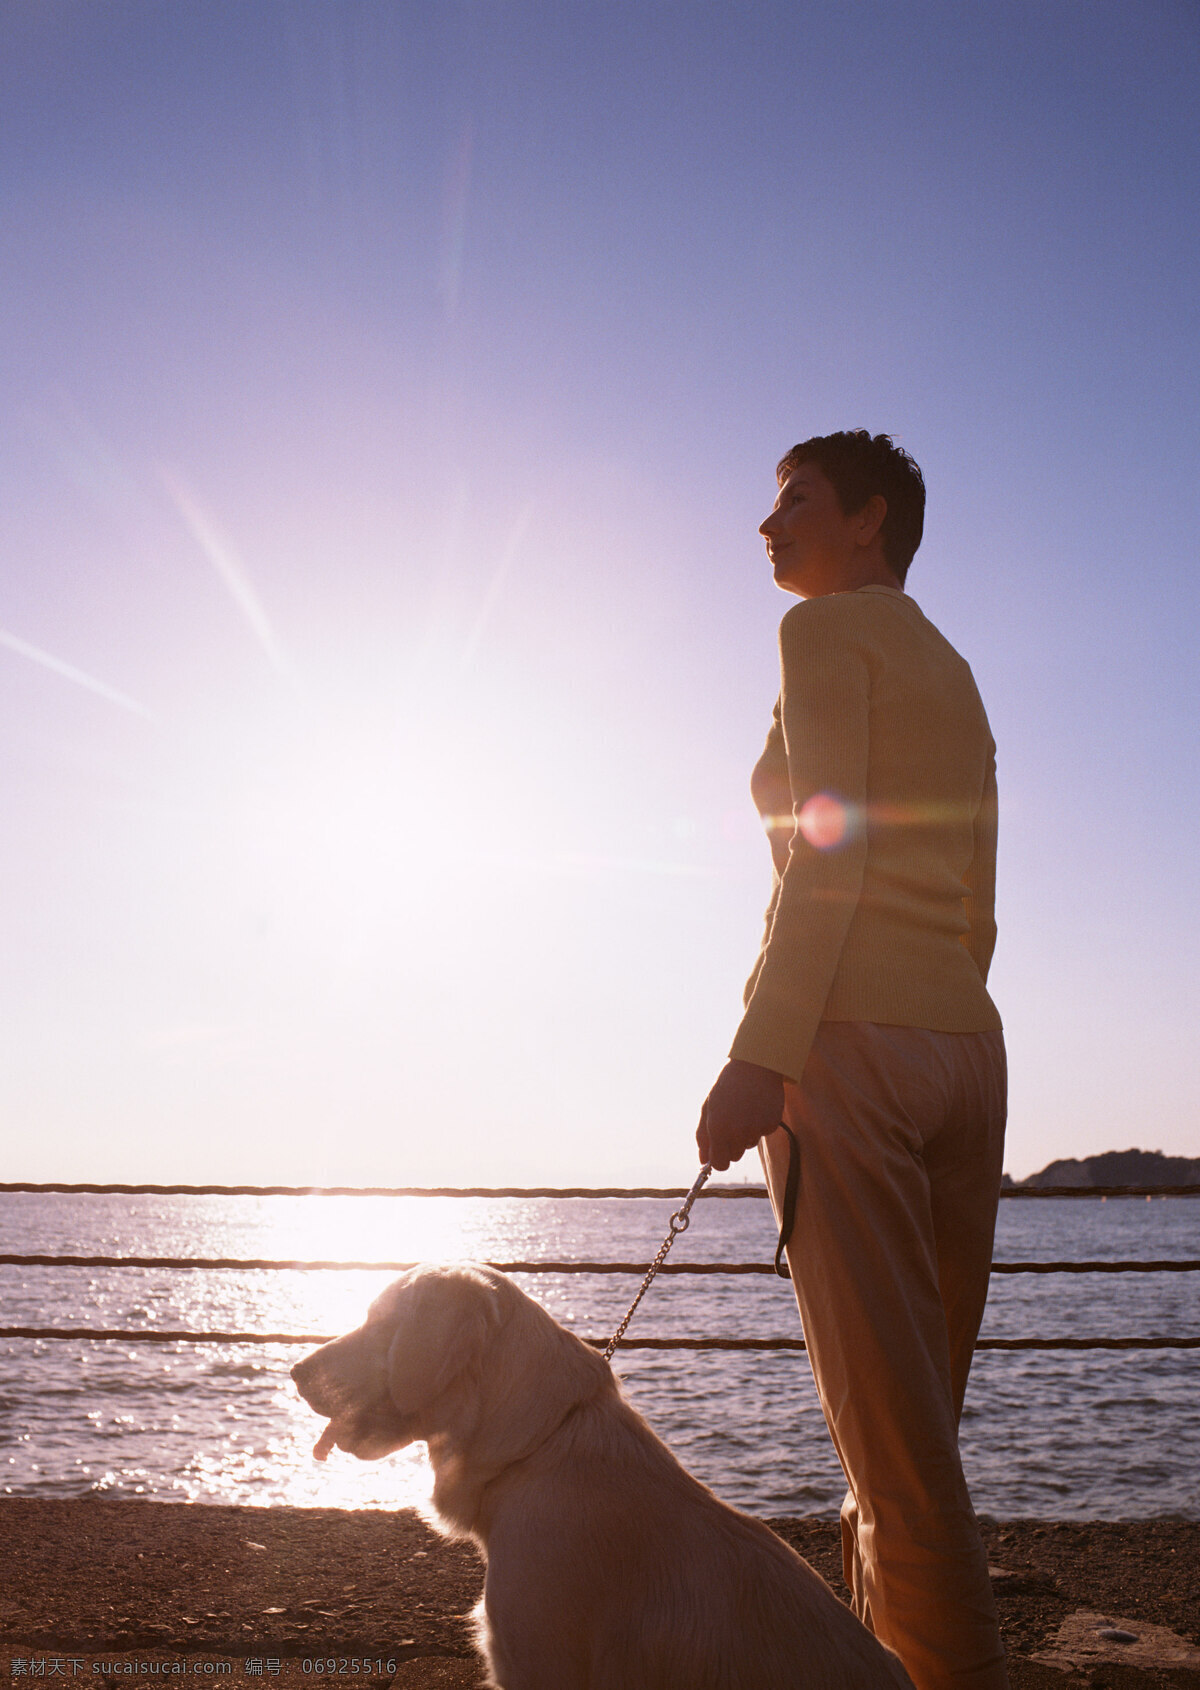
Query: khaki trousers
901	1137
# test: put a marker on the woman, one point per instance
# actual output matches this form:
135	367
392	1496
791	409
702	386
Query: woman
868	1031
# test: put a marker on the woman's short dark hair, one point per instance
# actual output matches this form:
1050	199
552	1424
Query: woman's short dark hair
860	465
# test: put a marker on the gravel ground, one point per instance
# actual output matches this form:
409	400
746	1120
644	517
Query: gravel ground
263	1593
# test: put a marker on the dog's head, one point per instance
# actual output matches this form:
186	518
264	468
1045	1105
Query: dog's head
456	1351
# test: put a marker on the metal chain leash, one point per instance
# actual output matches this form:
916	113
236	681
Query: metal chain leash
680	1221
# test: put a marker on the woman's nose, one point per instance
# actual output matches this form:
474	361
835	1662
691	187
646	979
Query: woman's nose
766	524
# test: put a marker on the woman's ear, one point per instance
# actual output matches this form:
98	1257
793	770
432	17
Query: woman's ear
443	1321
871	518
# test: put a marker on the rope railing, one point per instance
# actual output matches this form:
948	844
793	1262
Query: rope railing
144	1335
120	1190
89	1189
240	1264
1180	1264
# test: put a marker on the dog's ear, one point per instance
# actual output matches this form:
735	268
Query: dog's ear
443	1320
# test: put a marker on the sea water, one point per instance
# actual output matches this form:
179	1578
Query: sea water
1057	1434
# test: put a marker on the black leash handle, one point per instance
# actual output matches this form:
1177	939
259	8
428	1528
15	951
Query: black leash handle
791	1190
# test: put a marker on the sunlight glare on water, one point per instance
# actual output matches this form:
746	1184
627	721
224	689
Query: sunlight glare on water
397	1230
392	1228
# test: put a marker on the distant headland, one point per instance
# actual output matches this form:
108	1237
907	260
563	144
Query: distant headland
1118	1167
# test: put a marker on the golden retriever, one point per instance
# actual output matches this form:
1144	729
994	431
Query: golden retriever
609	1567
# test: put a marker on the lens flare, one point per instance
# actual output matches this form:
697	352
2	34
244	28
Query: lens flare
825	821
219	552
69	672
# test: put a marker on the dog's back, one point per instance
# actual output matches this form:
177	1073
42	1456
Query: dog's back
610	1567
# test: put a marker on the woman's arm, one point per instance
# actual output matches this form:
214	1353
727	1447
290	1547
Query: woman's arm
979	902
825	717
825	711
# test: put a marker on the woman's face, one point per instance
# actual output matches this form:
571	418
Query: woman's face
813	546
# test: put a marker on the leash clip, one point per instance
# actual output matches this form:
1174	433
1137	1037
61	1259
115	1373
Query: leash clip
679	1222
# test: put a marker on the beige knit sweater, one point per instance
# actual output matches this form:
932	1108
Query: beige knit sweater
878	789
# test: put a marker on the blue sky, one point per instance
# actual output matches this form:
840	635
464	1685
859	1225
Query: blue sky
391	394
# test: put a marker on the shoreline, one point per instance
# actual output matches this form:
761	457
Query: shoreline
118	1589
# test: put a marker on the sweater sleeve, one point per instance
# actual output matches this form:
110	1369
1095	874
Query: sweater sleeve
825	714
979	899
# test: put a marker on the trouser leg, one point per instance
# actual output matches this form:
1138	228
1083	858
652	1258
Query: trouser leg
884	1121
964	1162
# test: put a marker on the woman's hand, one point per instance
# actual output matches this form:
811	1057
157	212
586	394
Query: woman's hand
745	1104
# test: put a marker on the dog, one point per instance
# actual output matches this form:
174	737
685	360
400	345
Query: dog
609	1567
